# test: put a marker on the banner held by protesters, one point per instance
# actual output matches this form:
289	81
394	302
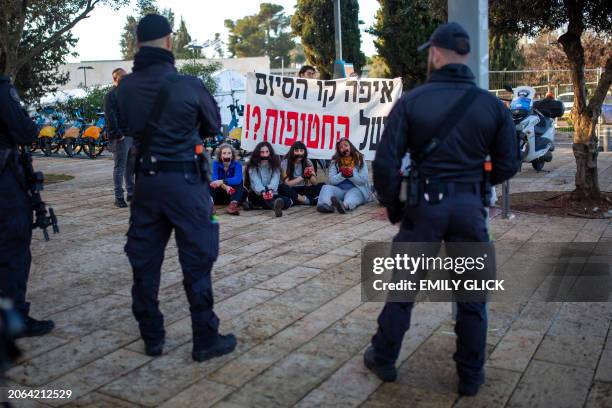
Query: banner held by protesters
283	110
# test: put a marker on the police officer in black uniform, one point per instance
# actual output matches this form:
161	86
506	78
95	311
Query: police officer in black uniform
455	168
16	218
168	115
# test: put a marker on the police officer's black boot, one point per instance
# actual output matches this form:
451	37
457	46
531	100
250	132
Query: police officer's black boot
468	389
225	344
35	328
154	349
385	372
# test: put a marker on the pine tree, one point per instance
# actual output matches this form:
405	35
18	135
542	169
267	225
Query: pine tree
313	22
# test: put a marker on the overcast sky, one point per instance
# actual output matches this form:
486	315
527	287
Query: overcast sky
99	34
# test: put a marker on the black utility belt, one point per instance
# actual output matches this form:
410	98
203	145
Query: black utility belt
154	167
434	191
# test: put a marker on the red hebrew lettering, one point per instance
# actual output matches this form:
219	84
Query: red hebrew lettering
271	113
328	120
248	120
257	114
303	120
343	121
313	122
282	126
292	117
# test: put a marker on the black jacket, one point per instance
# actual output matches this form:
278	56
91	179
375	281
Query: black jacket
486	127
190	114
16	127
110	115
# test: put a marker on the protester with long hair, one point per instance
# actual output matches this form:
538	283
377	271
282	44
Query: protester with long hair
226	185
299	178
264	174
348	186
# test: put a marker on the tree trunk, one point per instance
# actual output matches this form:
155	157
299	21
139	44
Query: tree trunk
585	152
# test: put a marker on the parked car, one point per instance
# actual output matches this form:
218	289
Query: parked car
568	102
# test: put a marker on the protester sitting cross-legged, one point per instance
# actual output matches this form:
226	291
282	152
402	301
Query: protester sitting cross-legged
226	185
348	186
264	172
299	176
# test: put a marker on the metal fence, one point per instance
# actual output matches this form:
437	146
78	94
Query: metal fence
555	80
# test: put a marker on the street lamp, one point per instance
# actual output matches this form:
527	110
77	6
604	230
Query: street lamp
282	59
85	68
338	63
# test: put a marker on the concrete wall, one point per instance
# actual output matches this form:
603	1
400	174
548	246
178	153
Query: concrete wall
101	72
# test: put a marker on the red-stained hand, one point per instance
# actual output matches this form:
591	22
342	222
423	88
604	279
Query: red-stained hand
308	172
268	195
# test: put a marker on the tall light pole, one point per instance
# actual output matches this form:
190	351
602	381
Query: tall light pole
338	64
85	68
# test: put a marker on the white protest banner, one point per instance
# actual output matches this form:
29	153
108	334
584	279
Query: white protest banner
283	110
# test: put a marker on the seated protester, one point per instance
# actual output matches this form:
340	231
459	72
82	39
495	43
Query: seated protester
348	180
264	174
226	185
299	176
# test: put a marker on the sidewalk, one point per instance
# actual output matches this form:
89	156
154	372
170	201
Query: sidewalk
289	289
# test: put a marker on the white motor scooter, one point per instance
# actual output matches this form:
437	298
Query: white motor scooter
535	126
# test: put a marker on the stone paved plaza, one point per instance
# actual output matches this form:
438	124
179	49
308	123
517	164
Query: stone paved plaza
289	289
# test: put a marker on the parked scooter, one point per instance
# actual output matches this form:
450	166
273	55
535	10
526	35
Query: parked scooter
535	126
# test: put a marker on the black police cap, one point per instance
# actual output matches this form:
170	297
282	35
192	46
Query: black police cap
151	27
450	36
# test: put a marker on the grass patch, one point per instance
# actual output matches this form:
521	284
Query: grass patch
51	178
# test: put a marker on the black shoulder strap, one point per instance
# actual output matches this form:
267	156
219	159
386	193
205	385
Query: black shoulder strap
158	107
447	125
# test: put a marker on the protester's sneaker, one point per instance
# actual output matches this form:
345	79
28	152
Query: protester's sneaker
224	345
468	389
338	205
120	203
154	349
232	208
278	207
385	372
35	328
325	208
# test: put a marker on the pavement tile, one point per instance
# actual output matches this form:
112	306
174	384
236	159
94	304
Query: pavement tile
551	385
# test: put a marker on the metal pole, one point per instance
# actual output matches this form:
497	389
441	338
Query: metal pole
85	75
338	29
506	200
282	66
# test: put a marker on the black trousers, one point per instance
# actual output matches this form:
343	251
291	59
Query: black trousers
312	192
258	201
162	203
15	238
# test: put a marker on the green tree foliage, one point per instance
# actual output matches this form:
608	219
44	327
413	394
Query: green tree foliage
313	22
264	33
202	71
181	39
379	68
36	39
505	53
90	104
400	27
574	19
128	36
